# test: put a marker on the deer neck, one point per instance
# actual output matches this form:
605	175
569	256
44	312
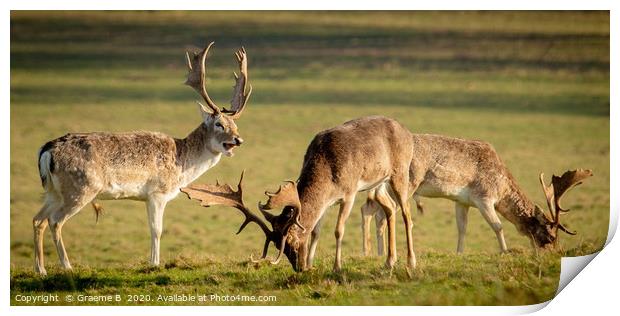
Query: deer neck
314	200
194	154
520	210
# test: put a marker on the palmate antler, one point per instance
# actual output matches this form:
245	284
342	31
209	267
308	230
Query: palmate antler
285	196
196	79
240	93
557	188
218	194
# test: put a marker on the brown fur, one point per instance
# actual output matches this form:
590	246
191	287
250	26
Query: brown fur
360	154
471	173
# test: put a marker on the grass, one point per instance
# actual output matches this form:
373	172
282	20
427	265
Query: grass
534	84
517	278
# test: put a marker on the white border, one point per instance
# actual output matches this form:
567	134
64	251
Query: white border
593	290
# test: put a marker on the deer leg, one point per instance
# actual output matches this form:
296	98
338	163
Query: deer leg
487	209
314	240
39	224
155	207
380	225
368	210
399	183
56	222
383	198
345	209
418	204
461	224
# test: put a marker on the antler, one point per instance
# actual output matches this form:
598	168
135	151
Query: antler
196	75
240	95
196	79
557	188
210	195
285	196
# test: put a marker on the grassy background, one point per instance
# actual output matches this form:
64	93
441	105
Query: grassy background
534	84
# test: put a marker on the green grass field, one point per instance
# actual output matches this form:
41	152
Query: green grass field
534	84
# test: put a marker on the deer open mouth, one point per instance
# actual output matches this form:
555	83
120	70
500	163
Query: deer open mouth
229	146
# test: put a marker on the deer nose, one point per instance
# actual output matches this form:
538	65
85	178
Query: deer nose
238	141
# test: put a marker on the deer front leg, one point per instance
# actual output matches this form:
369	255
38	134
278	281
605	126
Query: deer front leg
461	224
155	207
345	209
487	209
314	240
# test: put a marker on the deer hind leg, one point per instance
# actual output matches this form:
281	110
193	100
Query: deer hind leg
155	208
418	204
345	209
39	224
58	218
461	224
380	224
487	209
314	240
368	211
389	209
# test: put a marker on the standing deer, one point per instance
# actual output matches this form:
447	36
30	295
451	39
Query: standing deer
76	169
362	154
471	174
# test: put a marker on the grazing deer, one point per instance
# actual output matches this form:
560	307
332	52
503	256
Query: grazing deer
76	169
362	154
471	174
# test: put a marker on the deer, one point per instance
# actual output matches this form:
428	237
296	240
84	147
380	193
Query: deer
362	154
471	174
80	168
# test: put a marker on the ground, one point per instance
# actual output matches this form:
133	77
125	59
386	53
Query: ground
534	84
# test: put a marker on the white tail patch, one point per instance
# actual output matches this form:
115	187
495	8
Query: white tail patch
44	169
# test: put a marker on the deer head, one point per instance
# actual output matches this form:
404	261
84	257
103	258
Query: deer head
548	235
286	199
218	194
220	123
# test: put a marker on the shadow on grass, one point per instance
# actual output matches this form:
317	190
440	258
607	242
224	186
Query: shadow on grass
87	280
578	104
109	43
63	282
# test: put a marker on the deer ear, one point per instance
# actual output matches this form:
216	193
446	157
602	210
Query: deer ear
204	111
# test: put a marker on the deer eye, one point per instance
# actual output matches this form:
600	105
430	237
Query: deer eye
218	124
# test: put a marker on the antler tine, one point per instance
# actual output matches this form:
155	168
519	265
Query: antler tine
217	194
241	95
196	76
265	250
282	244
189	61
549	195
